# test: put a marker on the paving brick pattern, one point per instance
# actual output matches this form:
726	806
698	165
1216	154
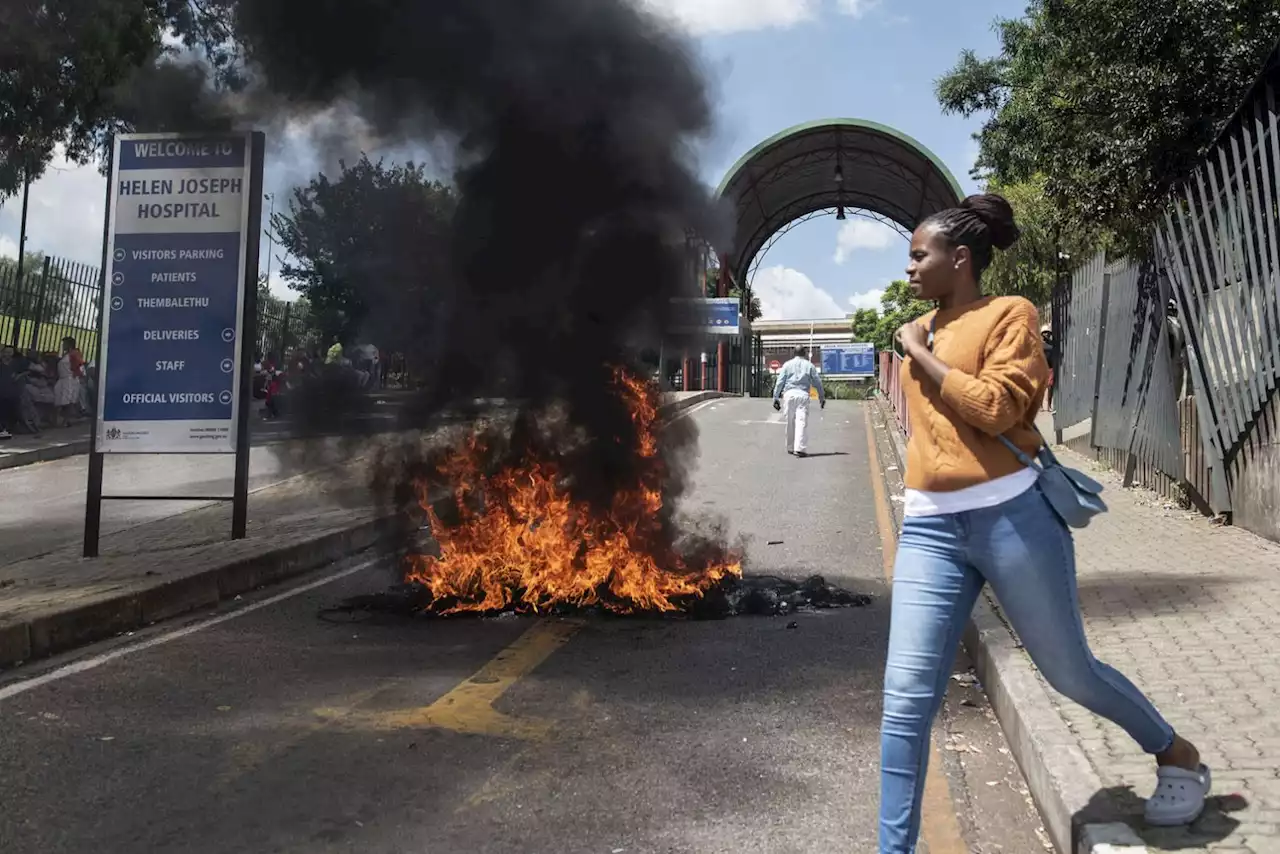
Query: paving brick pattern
1191	613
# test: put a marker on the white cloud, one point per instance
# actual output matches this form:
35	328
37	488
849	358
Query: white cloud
787	294
867	299
857	8
8	247
863	234
713	17
64	215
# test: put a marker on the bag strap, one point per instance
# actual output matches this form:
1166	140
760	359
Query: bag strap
1017	452
1021	454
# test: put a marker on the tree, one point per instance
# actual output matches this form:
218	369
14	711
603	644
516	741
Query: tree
71	72
1112	101
1030	267
897	306
865	323
368	249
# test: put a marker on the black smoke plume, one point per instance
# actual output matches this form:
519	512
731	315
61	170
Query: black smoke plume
572	124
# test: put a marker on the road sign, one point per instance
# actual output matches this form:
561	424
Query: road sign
775	366
715	316
849	360
173	335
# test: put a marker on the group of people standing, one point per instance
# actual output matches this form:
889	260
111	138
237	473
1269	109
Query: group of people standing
975	375
37	392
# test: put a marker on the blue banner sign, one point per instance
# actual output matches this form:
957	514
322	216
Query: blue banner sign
169	369
849	360
715	316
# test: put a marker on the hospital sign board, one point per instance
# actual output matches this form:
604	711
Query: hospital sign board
849	360
178	220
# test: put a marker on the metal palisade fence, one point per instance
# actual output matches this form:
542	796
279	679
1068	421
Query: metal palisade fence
282	329
1176	357
58	298
54	300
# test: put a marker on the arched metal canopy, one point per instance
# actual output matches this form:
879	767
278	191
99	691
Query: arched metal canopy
794	173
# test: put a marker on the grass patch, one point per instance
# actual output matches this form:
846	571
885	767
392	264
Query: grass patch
51	335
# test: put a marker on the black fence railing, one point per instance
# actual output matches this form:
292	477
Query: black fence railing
282	330
54	299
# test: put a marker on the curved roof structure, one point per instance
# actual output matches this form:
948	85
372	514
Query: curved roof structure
832	164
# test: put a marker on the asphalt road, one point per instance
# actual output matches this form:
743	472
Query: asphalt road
267	729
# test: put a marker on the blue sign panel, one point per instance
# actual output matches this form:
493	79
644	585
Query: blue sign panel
851	360
170	359
716	316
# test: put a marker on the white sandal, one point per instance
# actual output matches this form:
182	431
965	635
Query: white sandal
1179	796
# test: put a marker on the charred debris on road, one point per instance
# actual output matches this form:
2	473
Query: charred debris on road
753	595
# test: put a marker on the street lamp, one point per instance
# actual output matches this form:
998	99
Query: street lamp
271	237
840	192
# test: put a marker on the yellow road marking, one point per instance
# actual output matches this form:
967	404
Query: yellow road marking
468	708
938	825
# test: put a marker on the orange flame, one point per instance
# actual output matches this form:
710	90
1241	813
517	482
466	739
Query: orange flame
528	546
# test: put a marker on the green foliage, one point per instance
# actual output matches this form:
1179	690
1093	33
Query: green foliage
374	234
849	389
70	71
1111	101
865	323
897	306
1028	268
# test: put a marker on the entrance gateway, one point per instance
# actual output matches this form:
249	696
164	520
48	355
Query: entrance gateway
842	167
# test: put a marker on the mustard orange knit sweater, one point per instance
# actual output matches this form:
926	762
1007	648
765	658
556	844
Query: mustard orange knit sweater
996	383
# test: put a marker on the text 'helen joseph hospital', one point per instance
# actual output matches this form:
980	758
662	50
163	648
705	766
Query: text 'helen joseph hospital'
179	187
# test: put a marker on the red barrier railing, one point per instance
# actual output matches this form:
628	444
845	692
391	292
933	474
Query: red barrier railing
891	388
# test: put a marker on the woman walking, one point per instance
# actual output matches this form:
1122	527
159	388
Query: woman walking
976	371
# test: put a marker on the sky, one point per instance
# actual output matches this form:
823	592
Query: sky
770	64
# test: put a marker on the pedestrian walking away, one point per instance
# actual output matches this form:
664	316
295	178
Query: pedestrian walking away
791	395
975	376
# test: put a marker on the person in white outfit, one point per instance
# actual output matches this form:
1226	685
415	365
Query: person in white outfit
791	395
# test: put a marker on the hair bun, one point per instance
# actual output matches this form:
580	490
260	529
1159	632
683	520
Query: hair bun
997	214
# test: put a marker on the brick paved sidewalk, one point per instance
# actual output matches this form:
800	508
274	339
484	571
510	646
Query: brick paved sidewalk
1191	613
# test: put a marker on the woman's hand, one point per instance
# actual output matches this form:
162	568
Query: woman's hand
913	337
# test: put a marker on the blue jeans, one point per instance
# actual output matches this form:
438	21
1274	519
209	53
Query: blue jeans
1026	553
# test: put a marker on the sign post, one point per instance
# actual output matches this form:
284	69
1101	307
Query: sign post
179	306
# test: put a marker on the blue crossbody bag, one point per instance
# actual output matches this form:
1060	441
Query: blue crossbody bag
1072	494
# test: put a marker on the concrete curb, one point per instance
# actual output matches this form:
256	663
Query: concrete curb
58	632
1058	773
44	455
